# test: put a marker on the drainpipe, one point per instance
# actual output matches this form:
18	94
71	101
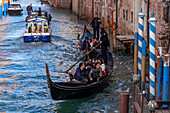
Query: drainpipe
148	24
116	14
92	8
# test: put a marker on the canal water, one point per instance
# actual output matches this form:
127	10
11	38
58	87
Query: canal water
23	83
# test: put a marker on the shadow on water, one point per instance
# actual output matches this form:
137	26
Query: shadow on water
71	106
12	23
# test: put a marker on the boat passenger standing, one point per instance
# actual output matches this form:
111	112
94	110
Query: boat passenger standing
39	11
29	9
96	25
104	44
80	74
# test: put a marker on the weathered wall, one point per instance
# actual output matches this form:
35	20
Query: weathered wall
75	6
125	16
161	25
66	4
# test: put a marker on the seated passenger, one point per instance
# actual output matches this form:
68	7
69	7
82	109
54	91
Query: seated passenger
30	29
95	73
88	66
45	28
80	74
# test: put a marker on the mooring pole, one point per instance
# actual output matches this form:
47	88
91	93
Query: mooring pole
166	79
108	25
159	73
124	103
1	10
136	54
143	71
114	33
152	34
140	39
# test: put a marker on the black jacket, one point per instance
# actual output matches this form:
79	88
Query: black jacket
95	22
79	74
104	38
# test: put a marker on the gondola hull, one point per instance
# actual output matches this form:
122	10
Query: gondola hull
68	90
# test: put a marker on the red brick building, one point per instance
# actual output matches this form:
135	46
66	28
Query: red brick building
126	16
67	4
83	8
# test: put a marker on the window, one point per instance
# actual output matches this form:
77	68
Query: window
131	20
126	15
123	14
89	2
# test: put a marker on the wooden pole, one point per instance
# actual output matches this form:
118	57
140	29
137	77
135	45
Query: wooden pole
124	103
143	72
143	69
136	54
114	37
114	33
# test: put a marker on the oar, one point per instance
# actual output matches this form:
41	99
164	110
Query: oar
81	37
83	57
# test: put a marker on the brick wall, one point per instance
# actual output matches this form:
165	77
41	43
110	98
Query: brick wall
75	6
157	7
61	3
125	17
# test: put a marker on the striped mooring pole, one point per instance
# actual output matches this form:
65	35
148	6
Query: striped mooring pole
152	33
166	79
140	39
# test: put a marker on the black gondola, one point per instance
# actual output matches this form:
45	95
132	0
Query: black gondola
72	90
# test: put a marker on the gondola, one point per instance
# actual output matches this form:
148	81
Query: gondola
72	90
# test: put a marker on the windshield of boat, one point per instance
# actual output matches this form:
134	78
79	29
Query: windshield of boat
14	6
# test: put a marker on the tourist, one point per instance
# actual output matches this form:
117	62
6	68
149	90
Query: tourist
80	74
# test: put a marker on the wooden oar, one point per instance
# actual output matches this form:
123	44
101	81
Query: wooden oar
82	57
81	37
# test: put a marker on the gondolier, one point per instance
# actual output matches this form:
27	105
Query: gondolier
104	44
96	25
